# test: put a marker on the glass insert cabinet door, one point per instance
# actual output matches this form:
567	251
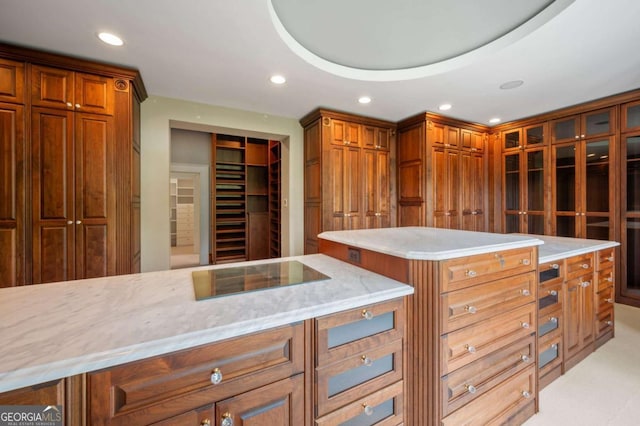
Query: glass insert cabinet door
582	189
631	218
524	191
565	192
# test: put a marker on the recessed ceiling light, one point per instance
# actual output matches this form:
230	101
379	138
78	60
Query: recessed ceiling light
364	99
495	120
511	84
444	107
111	39
278	79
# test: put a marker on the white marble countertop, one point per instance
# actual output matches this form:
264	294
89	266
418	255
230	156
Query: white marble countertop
50	331
555	248
423	243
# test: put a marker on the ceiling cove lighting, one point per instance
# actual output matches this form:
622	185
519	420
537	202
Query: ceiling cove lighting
495	120
110	39
444	107
364	99
278	79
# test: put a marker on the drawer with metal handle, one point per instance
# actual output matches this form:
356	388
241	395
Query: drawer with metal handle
473	380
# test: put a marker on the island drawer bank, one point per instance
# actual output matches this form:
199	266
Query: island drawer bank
471	323
142	350
457	294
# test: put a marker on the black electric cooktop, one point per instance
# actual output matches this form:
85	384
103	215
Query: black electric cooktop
239	279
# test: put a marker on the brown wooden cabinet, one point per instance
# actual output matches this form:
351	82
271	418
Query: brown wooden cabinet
12	81
67	392
551	277
76	171
471	327
591	124
359	365
255	375
442	173
245	198
348	174
583	182
74	211
13	169
579	310
527	189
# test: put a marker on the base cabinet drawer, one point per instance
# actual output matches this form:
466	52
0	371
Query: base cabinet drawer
474	380
381	408
605	299
340	383
549	353
604	322
467	306
605	279
579	265
501	404
340	335
468	271
469	344
158	388
606	259
549	298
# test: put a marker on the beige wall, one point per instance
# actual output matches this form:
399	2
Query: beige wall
159	115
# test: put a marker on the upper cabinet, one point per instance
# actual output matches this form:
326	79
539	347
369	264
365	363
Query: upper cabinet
348	179
68	90
11	81
583	126
630	117
442	173
70	203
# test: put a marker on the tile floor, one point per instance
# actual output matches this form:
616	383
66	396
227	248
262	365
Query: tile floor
604	389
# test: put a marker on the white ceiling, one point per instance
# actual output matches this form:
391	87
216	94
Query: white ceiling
222	52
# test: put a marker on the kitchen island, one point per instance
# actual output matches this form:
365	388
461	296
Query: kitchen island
481	329
85	333
471	321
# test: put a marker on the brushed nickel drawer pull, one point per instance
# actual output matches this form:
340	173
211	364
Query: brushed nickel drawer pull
525	292
470	273
526	394
609	323
525	358
610	278
553	320
585	266
471	349
471	309
610	258
609	300
525	262
524	324
554	346
555	266
367	314
471	389
553	292
216	376
585	284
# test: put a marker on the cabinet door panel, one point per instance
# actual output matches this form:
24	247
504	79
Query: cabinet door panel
376	186
95	199
51	87
11	81
280	403
94	94
53	195
12	195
